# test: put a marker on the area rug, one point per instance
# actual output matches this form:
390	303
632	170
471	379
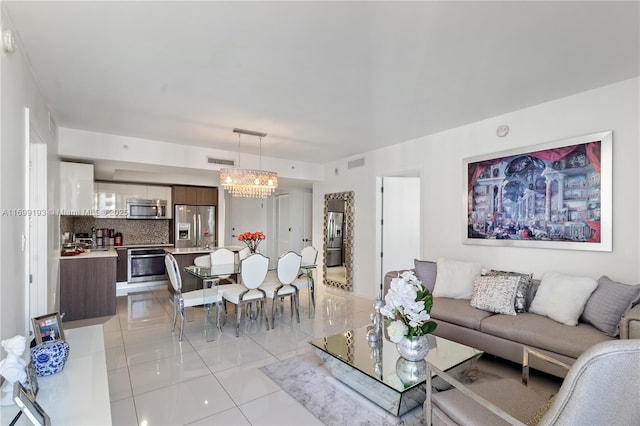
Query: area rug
305	378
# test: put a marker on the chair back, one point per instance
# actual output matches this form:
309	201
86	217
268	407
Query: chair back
222	256
242	254
173	272
309	255
202	261
288	267
601	387
253	270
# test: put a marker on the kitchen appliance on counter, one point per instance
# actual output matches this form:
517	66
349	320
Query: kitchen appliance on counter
146	209
146	264
195	226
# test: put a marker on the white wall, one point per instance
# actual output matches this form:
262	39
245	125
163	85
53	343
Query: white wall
19	90
439	158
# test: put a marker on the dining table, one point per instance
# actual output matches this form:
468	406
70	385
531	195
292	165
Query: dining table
212	275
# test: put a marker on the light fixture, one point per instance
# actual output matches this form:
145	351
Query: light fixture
249	183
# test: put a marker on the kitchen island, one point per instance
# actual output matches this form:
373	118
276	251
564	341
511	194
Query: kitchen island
88	285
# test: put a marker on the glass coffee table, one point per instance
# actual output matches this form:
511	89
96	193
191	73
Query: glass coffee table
376	370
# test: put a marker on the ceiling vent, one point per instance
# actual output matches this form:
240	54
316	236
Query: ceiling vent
355	163
220	161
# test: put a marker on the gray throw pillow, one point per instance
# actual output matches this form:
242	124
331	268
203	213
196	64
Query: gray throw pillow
426	272
608	303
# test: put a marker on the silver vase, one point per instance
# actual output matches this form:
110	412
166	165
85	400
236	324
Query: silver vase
414	348
411	372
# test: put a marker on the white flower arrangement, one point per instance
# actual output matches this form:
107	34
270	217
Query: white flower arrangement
407	308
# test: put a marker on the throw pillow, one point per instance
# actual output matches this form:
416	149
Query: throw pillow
426	272
455	278
562	297
520	301
608	303
495	293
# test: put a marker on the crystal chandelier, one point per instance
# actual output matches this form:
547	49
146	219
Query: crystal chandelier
249	183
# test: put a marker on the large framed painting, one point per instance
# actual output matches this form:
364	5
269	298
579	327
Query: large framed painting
552	195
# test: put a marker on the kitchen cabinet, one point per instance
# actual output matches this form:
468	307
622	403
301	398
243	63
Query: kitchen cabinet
76	188
87	287
122	265
195	195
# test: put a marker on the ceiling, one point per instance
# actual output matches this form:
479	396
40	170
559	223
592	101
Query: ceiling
324	80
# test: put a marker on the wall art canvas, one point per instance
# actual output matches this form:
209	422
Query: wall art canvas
553	195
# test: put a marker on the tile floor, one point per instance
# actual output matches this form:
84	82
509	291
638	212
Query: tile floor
154	379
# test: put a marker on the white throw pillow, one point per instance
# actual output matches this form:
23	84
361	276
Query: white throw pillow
562	297
455	278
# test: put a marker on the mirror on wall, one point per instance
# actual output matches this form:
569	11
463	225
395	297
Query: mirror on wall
338	240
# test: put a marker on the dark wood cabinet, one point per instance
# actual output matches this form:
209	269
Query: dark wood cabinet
195	195
122	266
87	287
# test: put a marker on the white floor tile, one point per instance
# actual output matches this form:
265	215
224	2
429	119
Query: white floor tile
232	417
247	382
119	384
123	413
166	371
182	403
239	352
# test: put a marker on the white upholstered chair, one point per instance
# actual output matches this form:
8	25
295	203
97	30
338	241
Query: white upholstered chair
601	388
209	297
223	256
242	254
278	289
253	270
204	261
309	255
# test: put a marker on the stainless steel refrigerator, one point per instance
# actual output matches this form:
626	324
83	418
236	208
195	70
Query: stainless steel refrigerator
195	226
334	239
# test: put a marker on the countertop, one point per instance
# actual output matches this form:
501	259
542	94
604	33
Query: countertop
189	250
93	254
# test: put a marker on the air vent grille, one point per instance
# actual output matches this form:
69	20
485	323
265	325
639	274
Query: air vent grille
355	163
220	161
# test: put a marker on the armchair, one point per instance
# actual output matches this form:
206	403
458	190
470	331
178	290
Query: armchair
600	388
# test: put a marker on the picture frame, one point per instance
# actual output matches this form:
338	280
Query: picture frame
32	380
29	406
48	328
553	195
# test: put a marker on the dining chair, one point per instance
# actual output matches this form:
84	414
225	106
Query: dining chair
242	254
276	290
253	270
204	261
208	297
600	388
308	255
223	256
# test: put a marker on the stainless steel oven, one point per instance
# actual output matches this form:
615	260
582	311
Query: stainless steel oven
146	264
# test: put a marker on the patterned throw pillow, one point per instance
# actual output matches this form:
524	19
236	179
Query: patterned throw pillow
495	293
522	293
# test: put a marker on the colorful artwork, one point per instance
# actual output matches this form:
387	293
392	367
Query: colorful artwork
557	196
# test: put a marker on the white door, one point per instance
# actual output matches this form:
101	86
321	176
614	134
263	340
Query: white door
400	226
37	226
307	217
247	215
283	224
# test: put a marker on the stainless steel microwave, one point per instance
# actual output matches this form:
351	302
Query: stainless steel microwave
146	209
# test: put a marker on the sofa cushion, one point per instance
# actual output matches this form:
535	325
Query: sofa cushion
495	293
521	302
562	297
426	272
455	278
608	303
544	333
458	311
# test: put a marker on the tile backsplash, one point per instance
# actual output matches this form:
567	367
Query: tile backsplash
134	231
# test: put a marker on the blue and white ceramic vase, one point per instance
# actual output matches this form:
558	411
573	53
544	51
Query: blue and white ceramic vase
50	357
